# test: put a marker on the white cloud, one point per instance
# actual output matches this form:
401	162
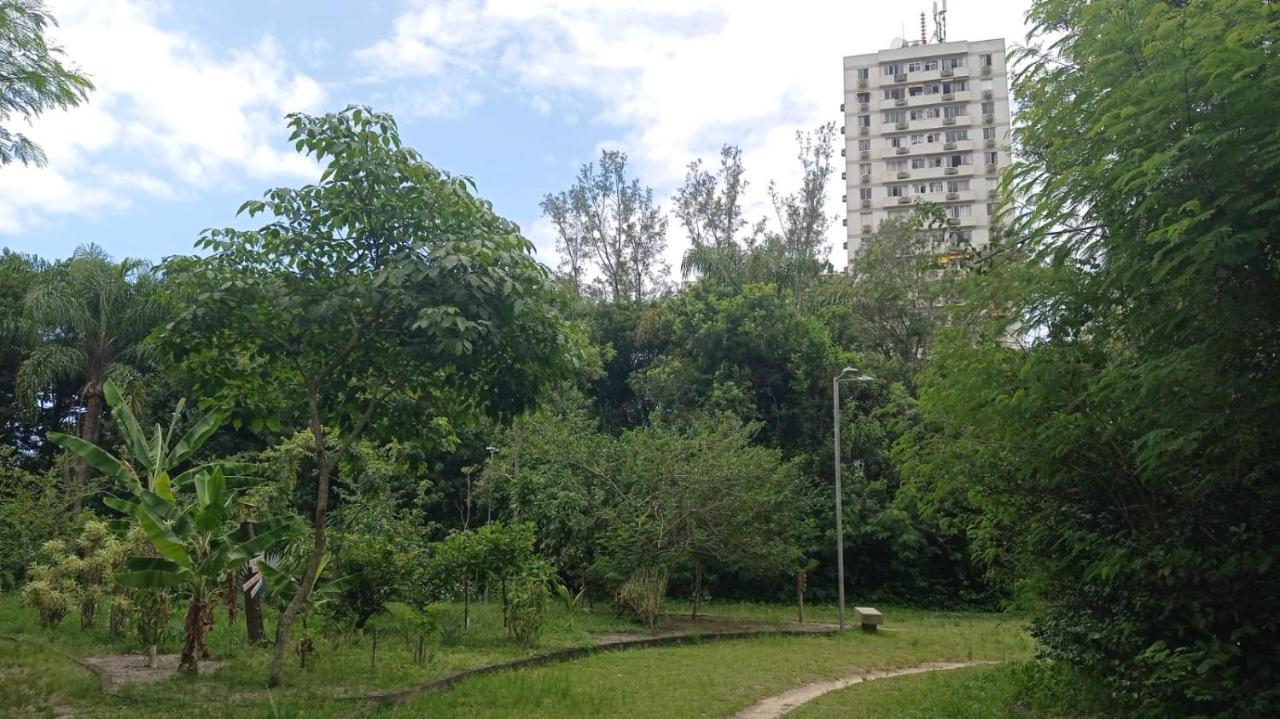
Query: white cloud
184	115
681	77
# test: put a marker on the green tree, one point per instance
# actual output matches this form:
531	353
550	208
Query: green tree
613	222
1125	462
88	319
33	78
903	282
385	299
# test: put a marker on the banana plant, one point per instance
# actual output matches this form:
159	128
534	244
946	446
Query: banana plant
188	517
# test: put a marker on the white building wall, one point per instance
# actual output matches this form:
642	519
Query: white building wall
870	136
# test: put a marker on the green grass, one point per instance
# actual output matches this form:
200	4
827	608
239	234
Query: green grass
704	679
715	679
977	693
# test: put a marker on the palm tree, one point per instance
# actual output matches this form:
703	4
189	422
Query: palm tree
88	319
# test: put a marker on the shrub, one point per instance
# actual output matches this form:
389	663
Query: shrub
641	595
526	608
50	590
446	620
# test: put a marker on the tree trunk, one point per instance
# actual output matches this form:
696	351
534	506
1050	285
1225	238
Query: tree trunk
466	603
800	579
196	624
285	624
151	656
697	588
252	603
89	433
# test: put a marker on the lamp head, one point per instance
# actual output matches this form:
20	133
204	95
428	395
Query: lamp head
851	374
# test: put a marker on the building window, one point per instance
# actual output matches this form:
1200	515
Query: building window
935	186
897	190
895	93
957	160
988	108
959	211
926	113
864	145
953	110
984	60
951	63
864	97
864	121
896	165
993	158
920	188
957	135
891	69
864	193
893	116
863	73
915	90
864	168
957	185
988	133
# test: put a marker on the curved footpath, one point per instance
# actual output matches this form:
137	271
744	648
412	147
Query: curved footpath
779	704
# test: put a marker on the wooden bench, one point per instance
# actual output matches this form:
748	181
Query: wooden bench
869	617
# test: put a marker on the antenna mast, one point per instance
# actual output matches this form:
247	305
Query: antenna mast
924	39
940	22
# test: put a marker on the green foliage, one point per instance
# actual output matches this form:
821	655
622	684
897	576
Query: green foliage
1123	463
383	548
32	511
51	589
79	574
641	594
448	621
185	517
526	607
34	78
384	299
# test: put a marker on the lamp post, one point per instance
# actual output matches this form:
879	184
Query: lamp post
848	375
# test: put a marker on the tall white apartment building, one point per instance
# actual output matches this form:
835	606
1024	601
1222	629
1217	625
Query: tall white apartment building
925	122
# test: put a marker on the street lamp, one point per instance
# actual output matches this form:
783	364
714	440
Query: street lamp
848	375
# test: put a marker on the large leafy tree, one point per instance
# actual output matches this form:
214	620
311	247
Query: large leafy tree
33	78
386	299
1127	462
87	321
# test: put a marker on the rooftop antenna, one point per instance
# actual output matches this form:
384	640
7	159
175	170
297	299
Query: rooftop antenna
923	39
940	22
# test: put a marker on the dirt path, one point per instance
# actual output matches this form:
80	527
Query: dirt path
779	704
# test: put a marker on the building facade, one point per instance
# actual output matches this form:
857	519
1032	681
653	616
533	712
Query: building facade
925	122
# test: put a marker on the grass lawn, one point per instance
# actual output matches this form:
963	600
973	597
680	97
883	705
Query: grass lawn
977	693
704	679
715	679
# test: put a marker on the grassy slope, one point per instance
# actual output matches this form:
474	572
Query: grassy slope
700	680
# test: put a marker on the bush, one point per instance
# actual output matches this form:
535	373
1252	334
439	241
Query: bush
641	595
51	591
446	620
526	609
32	511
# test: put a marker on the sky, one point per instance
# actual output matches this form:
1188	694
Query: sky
187	121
